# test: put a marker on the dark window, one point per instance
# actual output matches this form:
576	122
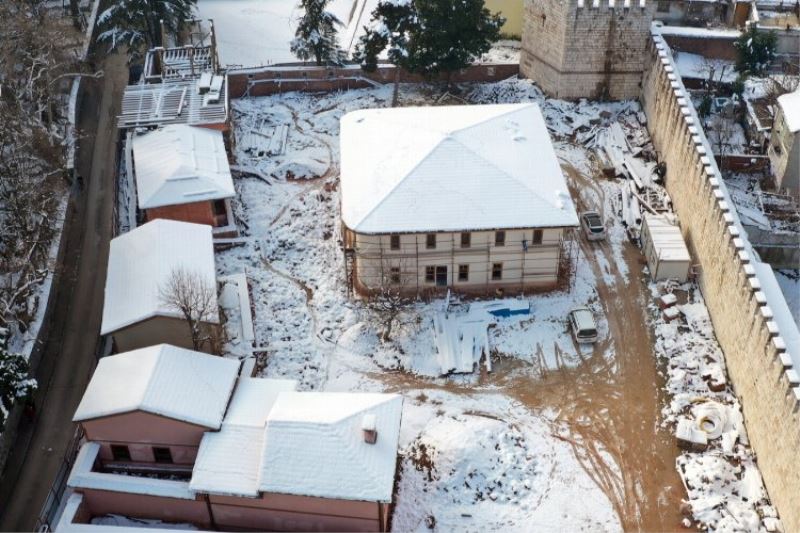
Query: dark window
120	452
394	275
162	455
663	6
499	238
466	240
394	242
497	270
463	272
430	241
537	236
430	274
218	206
441	276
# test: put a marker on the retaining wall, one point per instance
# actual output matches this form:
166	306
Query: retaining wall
743	322
264	81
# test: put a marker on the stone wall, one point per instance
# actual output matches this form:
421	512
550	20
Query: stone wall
279	79
756	356
586	48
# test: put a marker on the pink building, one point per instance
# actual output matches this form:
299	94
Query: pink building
277	460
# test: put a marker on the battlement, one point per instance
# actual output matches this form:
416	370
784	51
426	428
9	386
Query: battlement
611	4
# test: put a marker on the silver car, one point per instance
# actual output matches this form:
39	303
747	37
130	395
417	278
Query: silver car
592	225
583	326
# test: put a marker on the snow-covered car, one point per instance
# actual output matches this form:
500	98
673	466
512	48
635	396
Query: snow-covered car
583	326
592	224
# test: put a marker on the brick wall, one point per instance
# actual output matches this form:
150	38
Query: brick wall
197	212
754	352
711	47
270	80
575	51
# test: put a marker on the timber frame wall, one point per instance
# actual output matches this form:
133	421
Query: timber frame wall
754	352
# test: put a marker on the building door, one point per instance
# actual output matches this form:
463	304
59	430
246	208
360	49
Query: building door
441	276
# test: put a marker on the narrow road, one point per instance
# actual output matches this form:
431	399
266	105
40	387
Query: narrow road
69	353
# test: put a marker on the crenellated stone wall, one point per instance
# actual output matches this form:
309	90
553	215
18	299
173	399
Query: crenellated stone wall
762	372
586	48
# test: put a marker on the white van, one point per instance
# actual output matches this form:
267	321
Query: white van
583	326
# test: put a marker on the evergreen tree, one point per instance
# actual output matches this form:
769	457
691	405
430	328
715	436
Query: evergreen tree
137	23
315	36
756	51
14	381
429	37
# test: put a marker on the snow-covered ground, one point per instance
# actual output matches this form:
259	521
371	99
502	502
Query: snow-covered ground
475	454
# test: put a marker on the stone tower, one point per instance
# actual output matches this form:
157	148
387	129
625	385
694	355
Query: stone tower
586	48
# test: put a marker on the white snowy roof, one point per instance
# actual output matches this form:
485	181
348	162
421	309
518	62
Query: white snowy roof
790	104
667	240
228	460
141	261
314	446
180	164
451	168
164	380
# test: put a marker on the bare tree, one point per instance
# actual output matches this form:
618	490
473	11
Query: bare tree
187	292
391	299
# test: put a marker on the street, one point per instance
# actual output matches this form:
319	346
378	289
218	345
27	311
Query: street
69	353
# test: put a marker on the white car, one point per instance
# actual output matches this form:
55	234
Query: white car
583	326
592	224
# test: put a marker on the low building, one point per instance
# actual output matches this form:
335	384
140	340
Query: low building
784	146
182	173
178	438
664	248
470	198
141	265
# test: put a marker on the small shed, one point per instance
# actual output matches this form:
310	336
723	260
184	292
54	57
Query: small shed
664	248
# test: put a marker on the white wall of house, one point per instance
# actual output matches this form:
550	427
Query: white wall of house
784	155
484	261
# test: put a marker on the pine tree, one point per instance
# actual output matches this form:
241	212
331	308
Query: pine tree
137	23
756	51
316	34
429	37
14	381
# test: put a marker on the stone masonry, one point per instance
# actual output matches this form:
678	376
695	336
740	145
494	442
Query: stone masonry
586	48
758	364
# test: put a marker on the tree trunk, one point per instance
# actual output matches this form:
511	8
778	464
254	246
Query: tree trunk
74	11
396	91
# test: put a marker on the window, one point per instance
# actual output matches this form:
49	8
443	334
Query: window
466	240
218	207
394	275
120	452
537	236
430	274
497	271
663	6
499	238
463	272
430	241
162	455
394	242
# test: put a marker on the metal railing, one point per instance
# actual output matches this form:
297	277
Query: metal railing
52	504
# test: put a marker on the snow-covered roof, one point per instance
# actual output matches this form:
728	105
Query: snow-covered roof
141	261
790	105
180	164
228	460
667	240
451	168
314	446
164	380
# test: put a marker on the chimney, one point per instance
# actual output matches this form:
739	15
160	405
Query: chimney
369	430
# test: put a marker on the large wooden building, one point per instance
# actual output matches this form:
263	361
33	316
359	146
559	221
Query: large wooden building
470	198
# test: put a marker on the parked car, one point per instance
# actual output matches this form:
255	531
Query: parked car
592	224
582	324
